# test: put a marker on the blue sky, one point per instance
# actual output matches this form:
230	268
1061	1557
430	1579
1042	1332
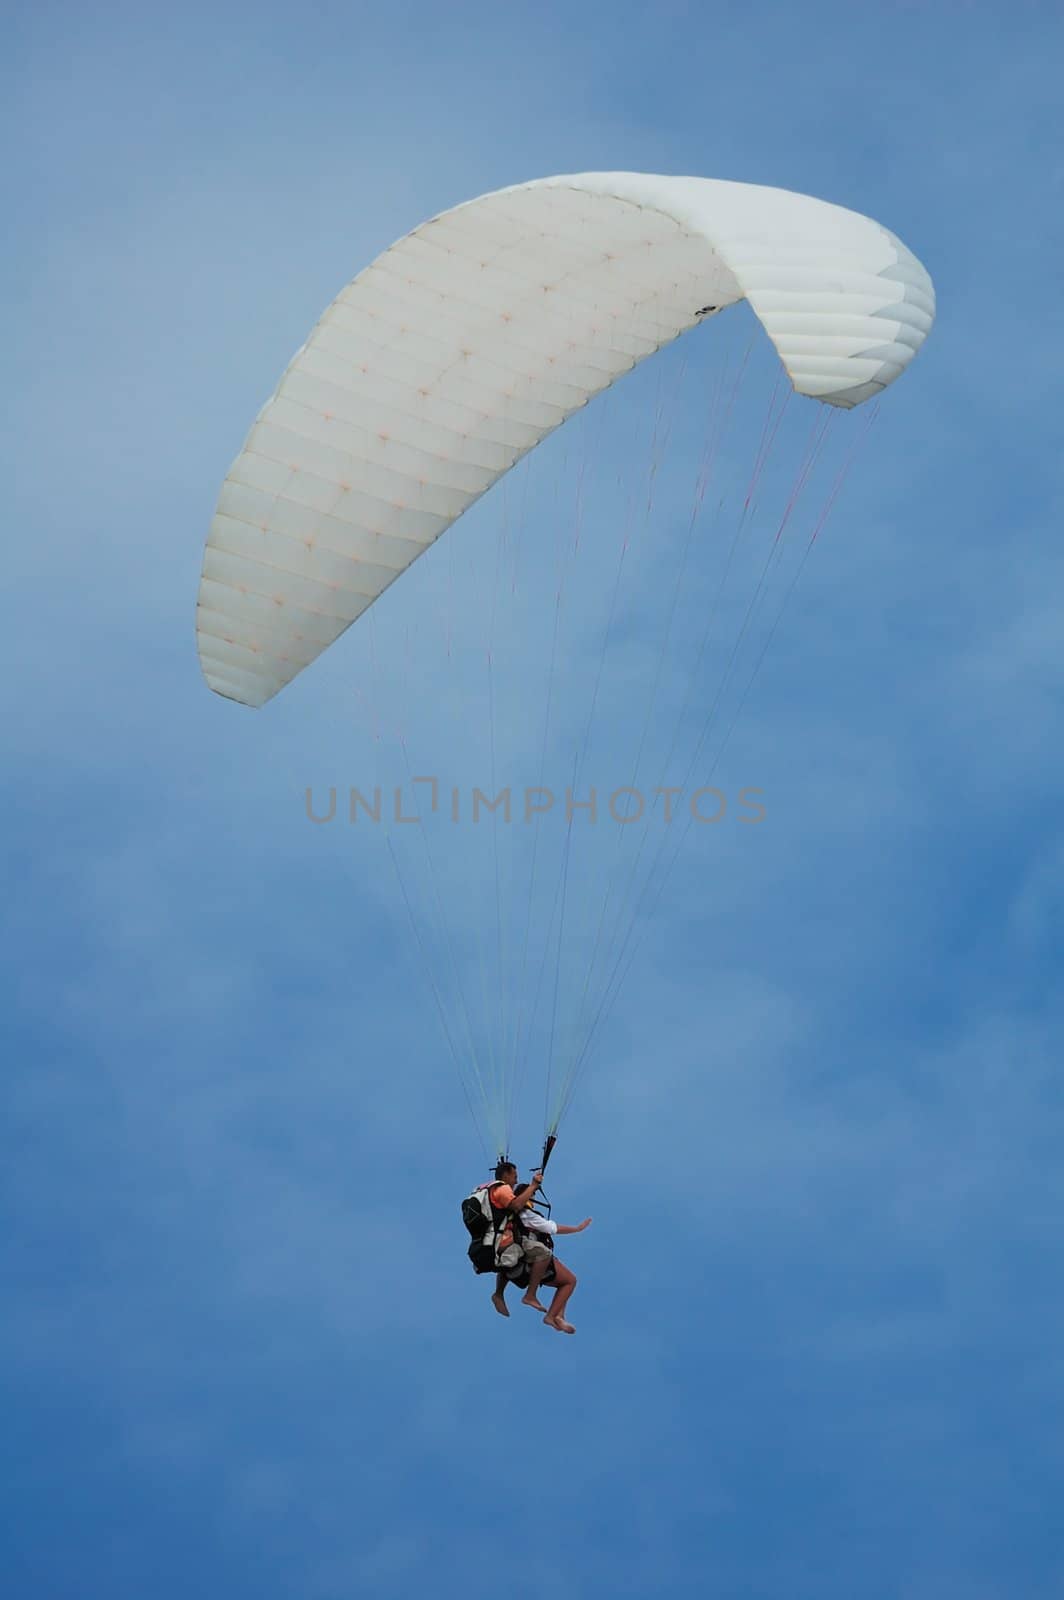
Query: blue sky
819	1313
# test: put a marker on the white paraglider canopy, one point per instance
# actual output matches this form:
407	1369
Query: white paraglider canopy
466	343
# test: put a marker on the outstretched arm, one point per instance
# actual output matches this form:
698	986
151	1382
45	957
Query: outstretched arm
578	1229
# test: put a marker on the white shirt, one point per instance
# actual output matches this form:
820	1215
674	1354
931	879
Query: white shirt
538	1224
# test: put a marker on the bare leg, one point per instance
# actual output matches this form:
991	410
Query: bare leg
537	1273
498	1299
566	1283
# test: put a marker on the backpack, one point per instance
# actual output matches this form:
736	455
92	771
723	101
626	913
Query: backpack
485	1223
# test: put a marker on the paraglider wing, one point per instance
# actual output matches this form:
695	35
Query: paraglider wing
465	344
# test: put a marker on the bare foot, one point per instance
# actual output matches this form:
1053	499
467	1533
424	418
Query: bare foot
559	1325
527	1300
500	1305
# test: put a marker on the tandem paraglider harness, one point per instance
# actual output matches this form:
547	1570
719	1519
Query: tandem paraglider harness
487	1224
